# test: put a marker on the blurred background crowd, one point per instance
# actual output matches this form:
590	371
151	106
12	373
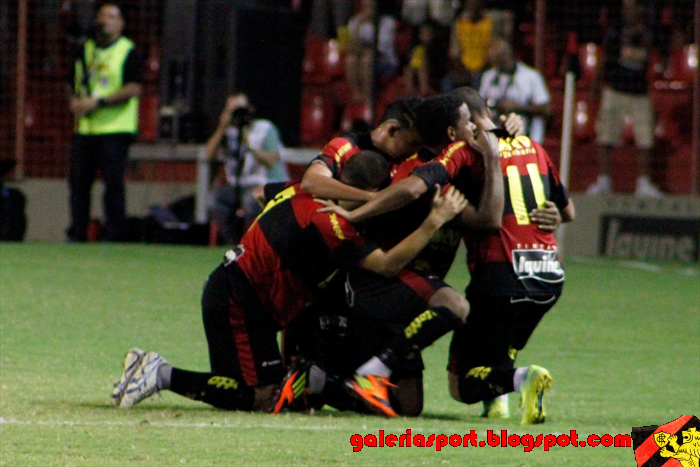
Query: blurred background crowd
319	68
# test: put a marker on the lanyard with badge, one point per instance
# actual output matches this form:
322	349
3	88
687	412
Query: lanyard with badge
99	58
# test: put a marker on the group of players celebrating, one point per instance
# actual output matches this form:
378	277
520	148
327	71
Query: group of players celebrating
350	264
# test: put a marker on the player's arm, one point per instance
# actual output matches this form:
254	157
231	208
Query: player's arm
489	213
568	214
389	263
212	148
389	199
318	180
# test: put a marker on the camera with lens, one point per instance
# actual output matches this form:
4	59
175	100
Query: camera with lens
241	117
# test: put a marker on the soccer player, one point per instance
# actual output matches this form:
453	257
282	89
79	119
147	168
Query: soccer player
418	289
264	284
516	277
455	164
396	138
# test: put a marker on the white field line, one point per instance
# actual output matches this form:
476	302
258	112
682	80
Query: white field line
228	426
639	265
634	265
225	425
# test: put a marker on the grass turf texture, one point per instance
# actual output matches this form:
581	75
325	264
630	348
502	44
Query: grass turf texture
622	346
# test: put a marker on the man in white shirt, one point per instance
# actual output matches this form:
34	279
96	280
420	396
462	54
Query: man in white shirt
251	150
512	86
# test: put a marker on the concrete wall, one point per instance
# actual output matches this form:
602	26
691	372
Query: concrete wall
627	227
618	226
47	203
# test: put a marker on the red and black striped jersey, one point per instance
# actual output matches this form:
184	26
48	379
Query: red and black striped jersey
520	259
459	165
389	229
291	250
338	151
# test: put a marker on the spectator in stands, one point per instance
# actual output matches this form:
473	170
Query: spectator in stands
426	67
512	86
359	59
105	103
626	53
251	150
417	12
469	44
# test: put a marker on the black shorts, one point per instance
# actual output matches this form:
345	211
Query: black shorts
382	307
495	328
397	299
241	334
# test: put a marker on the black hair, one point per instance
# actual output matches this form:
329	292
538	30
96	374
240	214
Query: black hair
403	110
435	115
116	5
471	97
366	170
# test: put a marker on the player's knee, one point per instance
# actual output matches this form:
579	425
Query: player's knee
463	390
407	398
450	299
453	382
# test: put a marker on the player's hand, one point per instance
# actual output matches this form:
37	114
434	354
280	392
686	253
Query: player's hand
447	206
547	218
513	124
506	106
486	143
232	103
82	105
331	207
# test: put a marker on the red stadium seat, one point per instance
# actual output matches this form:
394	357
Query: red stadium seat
296	171
148	118
323	61
584	121
394	90
316	119
589	63
355	112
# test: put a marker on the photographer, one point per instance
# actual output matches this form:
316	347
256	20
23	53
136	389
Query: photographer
251	151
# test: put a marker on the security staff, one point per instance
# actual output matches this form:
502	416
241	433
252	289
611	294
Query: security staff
105	101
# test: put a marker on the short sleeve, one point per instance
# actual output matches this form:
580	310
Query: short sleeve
540	94
133	68
335	154
432	173
272	140
346	244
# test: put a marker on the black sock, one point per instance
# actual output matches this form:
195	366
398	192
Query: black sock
483	383
425	329
220	391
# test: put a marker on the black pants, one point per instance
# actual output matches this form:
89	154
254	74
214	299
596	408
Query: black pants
495	330
109	153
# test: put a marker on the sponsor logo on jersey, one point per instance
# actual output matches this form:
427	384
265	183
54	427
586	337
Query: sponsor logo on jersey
540	265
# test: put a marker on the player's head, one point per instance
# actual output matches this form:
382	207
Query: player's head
443	119
396	133
470	96
110	21
500	55
366	170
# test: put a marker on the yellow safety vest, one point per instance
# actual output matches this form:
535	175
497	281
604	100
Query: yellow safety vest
105	71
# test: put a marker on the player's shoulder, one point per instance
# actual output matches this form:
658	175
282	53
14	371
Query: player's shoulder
340	145
458	150
528	72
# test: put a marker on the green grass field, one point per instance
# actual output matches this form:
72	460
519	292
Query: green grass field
623	346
